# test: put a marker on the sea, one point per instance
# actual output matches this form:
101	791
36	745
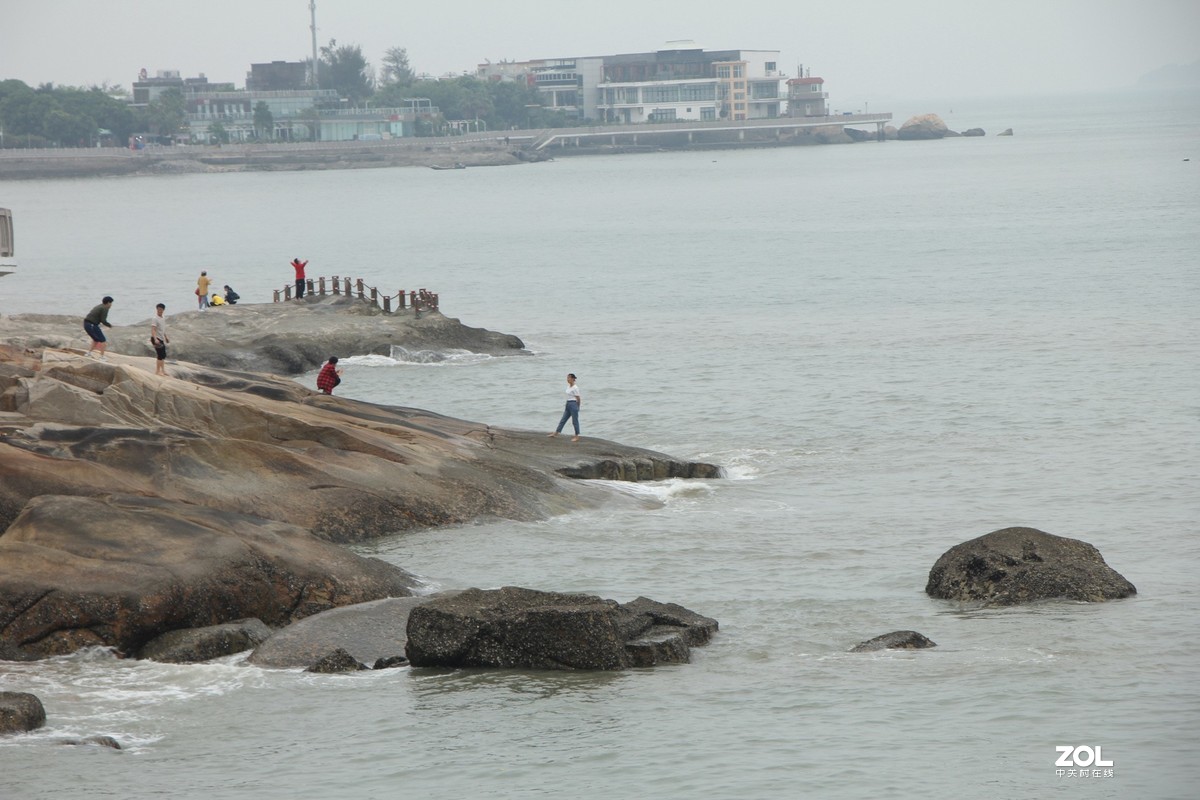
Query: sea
891	348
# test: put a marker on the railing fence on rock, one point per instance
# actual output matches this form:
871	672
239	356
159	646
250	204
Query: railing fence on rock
418	300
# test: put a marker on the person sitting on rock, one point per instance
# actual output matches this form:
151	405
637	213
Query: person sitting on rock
231	297
217	300
329	376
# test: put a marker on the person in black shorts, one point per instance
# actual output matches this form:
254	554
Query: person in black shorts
91	324
158	339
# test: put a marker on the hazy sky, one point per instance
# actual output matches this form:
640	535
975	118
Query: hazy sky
871	51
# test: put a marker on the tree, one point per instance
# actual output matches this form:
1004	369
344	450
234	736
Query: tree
167	114
347	71
396	69
264	120
217	133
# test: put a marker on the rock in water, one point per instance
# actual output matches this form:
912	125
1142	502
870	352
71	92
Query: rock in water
515	627
922	126
193	645
1022	565
896	640
20	712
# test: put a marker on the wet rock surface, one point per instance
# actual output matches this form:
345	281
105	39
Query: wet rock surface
20	712
193	645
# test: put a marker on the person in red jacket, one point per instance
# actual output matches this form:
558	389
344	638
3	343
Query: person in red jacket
329	376
299	266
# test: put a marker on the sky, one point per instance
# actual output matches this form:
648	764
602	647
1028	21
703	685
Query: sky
869	52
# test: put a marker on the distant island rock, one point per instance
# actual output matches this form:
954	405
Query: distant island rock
1023	565
1172	76
922	126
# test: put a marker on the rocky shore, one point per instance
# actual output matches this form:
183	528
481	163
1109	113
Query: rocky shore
133	505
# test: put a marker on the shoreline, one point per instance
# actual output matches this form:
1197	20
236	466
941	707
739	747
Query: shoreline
279	157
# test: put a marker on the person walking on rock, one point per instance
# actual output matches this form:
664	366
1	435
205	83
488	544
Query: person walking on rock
571	412
299	266
91	325
158	339
202	284
329	376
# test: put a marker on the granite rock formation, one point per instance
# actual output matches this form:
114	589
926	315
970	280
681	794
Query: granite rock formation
121	570
922	126
516	627
1022	565
193	645
284	338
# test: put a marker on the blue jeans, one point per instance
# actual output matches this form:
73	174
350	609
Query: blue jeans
571	412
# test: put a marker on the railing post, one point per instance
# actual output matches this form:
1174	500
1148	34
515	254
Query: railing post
347	287
374	296
400	301
309	286
321	283
337	287
287	293
387	305
276	296
361	296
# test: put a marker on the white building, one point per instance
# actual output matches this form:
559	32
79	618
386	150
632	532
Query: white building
680	82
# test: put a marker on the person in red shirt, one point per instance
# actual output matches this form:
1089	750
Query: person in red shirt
299	266
329	376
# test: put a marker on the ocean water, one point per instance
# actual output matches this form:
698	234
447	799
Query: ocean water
892	348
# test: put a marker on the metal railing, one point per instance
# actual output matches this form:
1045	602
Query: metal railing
418	299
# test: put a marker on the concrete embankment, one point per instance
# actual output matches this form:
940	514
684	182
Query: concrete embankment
96	162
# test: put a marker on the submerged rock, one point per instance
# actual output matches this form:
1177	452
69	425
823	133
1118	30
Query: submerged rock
515	627
20	712
1021	565
98	740
896	640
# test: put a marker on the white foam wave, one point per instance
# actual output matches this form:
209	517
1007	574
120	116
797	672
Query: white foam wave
660	492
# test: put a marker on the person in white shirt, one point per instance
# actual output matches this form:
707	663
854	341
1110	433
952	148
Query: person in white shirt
158	338
571	412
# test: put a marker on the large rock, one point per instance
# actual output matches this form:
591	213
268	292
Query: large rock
20	712
265	446
922	126
515	627
282	338
1021	565
367	631
120	570
193	645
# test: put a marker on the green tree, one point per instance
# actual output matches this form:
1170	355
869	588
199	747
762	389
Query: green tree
346	70
69	130
396	69
264	120
167	115
217	133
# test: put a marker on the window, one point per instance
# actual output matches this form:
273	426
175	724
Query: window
708	114
662	115
770	66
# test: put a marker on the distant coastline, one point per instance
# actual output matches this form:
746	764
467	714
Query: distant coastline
474	151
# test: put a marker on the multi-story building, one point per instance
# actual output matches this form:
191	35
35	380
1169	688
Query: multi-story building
679	82
806	97
296	112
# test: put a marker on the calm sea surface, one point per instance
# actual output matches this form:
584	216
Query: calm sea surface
892	348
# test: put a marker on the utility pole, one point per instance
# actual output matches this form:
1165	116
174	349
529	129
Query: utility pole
312	8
